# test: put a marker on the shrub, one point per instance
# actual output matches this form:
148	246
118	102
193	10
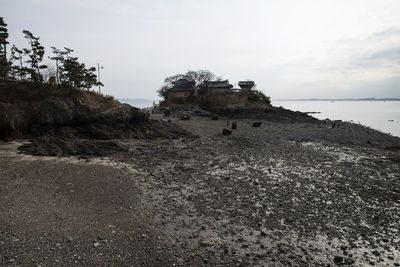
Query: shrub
258	96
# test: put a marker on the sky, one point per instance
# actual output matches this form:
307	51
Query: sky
290	48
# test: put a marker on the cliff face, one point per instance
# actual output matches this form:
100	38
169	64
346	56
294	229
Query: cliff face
28	110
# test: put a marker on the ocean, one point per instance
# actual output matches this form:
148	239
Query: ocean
138	103
380	115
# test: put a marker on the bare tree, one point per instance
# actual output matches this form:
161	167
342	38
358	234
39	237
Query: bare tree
199	77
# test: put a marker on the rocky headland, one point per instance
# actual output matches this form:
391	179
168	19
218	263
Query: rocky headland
85	180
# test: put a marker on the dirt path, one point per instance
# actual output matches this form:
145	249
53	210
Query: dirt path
276	195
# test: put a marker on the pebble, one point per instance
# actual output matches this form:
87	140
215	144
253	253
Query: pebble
262	233
68	239
376	253
290	219
204	243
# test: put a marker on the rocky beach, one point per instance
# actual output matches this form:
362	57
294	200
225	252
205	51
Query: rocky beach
162	191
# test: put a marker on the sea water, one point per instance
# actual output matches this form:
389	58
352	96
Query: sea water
139	103
380	115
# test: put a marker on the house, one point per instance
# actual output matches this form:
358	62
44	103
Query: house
217	86
182	88
246	85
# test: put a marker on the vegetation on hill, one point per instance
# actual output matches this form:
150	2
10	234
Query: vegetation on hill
198	76
258	96
26	64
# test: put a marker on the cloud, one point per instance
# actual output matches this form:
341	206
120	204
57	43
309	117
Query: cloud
386	54
384	34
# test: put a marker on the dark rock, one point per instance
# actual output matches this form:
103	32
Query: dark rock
342	260
256	124
68	239
338	259
185	117
234	125
376	253
214	117
204	243
262	233
290	219
335	124
226	132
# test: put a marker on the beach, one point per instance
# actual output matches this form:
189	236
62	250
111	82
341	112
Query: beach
280	194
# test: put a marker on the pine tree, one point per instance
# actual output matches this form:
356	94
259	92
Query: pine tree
91	78
59	57
17	55
4	63
36	54
73	73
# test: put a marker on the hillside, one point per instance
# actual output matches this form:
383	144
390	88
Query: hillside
28	110
70	121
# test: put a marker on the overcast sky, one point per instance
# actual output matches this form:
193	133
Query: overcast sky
291	49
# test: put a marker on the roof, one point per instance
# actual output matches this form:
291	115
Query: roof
183	83
246	84
218	84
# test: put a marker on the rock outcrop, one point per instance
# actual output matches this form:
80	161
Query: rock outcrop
27	110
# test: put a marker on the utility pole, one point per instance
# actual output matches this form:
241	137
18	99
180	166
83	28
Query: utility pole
98	75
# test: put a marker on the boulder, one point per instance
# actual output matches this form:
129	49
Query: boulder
185	117
226	132
234	125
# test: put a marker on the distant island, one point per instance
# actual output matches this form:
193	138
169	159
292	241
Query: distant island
340	99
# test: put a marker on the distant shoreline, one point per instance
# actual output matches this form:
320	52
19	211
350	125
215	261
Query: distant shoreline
339	99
